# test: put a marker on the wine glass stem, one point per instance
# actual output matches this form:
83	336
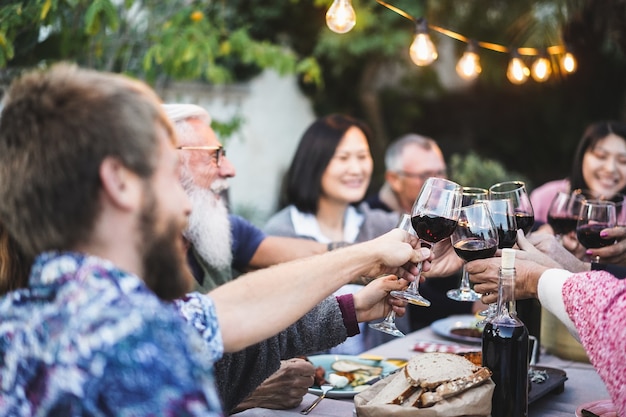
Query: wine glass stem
414	285
465	283
391	317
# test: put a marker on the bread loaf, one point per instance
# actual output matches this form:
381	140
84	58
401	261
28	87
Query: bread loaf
429	378
431	370
454	387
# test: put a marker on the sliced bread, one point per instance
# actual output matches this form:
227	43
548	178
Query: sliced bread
454	387
396	391
430	370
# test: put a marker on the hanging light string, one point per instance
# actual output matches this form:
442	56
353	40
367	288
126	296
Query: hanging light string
341	18
552	50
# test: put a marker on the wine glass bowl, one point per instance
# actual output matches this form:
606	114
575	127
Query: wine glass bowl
433	216
564	210
517	193
475	237
471	194
595	215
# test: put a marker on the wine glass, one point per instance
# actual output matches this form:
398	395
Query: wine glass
433	216
595	215
563	212
503	217
469	195
475	237
516	192
388	325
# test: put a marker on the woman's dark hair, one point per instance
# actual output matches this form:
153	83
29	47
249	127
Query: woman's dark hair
593	134
303	182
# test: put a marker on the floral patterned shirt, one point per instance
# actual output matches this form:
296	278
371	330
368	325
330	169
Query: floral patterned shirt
87	339
596	303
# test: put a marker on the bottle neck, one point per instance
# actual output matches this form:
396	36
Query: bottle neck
506	293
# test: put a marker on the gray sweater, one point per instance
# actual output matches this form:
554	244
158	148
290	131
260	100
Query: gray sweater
376	223
238	374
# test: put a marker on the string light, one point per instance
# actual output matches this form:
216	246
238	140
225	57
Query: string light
568	62
341	17
517	72
541	69
423	52
468	66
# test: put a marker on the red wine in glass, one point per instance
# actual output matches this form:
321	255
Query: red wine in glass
562	225
589	235
472	248
432	228
525	221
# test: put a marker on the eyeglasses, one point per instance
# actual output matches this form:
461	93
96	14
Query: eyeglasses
423	175
217	156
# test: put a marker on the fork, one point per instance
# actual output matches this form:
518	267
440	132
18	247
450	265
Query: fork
325	388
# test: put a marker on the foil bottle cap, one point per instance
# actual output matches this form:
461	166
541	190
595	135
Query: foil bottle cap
508	258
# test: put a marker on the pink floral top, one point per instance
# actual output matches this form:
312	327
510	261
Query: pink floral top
596	303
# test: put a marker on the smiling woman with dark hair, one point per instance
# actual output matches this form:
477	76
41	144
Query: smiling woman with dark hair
323	192
599	166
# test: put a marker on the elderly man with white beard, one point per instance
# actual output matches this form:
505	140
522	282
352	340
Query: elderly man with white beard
220	241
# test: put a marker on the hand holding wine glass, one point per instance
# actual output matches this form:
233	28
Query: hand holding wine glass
475	237
433	217
595	215
388	325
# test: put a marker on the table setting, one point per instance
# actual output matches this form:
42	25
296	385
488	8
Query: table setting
583	385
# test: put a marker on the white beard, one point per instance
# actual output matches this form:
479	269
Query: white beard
209	227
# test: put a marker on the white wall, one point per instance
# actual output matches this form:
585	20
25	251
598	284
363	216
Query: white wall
276	114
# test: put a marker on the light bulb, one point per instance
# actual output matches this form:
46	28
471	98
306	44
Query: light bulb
517	72
568	62
341	17
422	50
541	69
468	66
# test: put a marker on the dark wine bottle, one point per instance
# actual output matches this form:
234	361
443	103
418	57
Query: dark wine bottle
505	348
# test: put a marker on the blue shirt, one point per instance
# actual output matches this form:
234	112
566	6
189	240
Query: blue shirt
86	338
246	240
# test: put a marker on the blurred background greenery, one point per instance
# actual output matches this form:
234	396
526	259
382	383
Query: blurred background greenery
482	127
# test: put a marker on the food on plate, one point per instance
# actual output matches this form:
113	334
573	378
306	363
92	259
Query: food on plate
338	381
429	378
467	332
346	371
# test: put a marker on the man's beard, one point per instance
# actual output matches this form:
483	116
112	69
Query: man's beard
165	267
209	227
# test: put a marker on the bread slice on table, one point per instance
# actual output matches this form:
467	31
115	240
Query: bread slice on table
433	369
397	391
452	388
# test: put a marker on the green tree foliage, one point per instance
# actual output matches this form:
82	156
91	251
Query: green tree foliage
150	39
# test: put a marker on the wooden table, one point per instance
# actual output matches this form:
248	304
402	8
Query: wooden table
583	385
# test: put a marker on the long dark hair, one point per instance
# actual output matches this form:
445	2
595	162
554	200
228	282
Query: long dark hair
592	135
303	181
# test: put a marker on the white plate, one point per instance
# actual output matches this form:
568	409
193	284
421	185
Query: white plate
325	361
444	327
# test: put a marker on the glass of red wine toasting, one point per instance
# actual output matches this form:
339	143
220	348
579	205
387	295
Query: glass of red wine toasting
563	212
469	196
434	217
475	237
595	215
516	192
